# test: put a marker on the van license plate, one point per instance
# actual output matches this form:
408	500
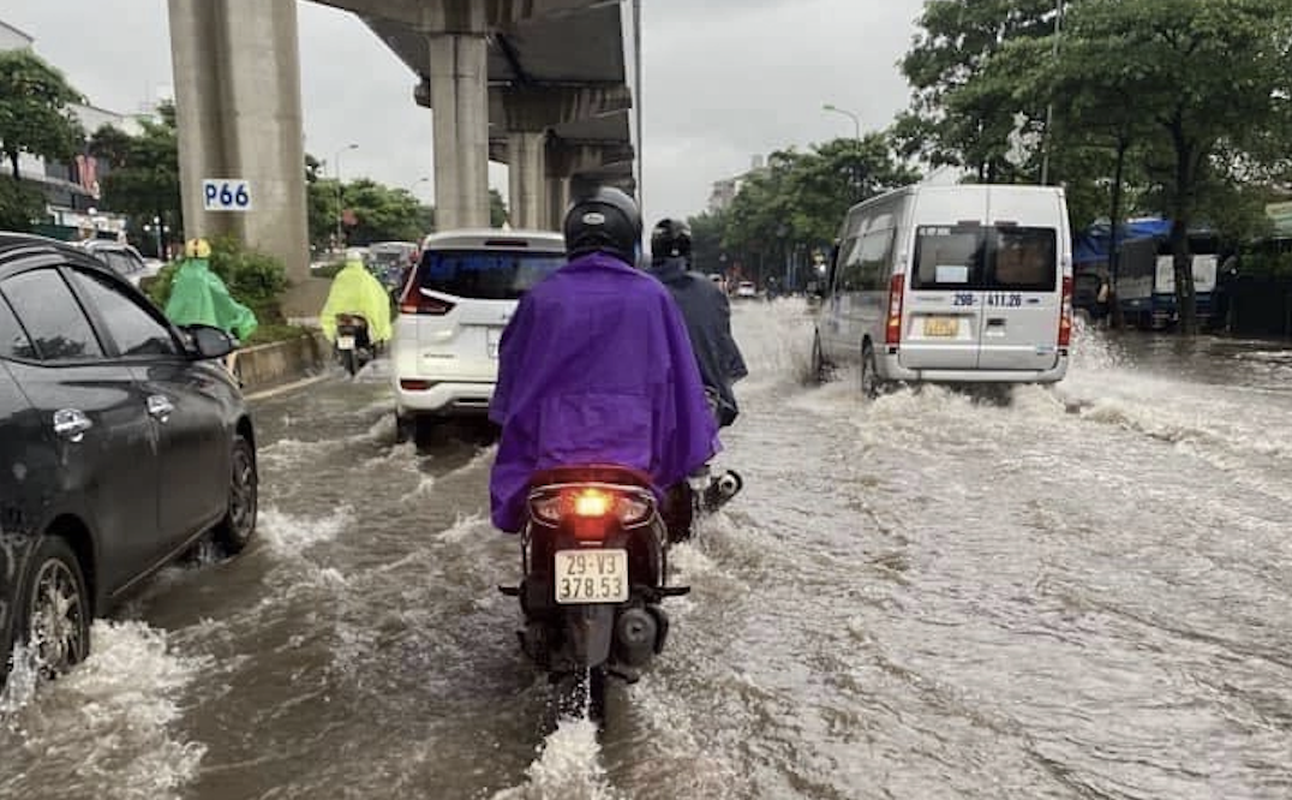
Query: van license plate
591	576
941	326
345	342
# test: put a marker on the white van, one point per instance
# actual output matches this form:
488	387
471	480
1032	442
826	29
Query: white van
951	284
454	307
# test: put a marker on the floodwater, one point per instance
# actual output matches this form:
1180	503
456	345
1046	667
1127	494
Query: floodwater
1082	594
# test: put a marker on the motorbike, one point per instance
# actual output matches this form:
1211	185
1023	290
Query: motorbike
353	347
594	560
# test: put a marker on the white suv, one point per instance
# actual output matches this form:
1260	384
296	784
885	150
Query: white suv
452	311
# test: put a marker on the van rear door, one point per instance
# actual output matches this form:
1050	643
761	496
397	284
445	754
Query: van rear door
943	319
1022	299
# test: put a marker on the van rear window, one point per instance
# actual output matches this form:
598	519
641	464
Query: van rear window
486	274
974	257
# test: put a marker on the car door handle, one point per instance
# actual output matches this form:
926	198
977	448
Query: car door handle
160	407
71	424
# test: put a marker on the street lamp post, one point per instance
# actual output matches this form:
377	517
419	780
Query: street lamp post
340	203
1049	109
856	141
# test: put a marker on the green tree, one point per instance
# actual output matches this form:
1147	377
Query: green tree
143	182
19	205
382	213
961	114
35	113
800	198
1213	78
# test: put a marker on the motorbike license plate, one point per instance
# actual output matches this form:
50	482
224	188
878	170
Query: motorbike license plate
941	326
591	576
345	342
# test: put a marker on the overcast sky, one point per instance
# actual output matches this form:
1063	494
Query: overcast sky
724	80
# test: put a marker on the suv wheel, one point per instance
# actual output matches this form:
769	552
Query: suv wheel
235	530
54	609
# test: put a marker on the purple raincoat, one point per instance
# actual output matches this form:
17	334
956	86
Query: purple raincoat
596	367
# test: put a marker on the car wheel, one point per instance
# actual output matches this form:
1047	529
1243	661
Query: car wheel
869	373
820	367
239	523
54	609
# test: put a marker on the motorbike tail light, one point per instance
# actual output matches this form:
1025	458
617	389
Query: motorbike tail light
630	507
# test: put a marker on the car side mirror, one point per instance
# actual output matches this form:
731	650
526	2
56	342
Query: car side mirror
209	342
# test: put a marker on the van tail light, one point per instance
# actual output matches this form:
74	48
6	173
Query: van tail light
893	331
1065	313
414	302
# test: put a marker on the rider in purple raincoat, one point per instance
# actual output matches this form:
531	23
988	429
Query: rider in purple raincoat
596	367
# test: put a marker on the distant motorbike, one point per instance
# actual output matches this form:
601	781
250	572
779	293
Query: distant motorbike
594	556
353	347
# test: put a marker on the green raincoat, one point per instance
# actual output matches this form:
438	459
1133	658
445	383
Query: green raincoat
355	291
198	296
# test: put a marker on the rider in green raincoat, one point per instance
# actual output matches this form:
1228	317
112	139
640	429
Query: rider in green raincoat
356	291
198	296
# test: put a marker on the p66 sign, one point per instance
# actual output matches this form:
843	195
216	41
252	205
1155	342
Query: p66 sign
229	194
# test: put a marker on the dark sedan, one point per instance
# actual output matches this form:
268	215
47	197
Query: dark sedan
121	444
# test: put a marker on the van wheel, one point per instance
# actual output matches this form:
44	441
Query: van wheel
869	373
54	609
820	367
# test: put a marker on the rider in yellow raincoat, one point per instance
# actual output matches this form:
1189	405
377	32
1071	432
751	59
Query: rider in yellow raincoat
357	291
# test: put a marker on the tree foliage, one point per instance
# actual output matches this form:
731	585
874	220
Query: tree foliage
798	200
35	113
143	179
962	113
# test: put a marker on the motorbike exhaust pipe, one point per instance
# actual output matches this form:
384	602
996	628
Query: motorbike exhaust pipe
636	634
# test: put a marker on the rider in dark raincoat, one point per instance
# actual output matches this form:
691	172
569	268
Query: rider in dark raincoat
596	367
707	312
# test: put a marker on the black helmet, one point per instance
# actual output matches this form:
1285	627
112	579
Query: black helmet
607	219
671	237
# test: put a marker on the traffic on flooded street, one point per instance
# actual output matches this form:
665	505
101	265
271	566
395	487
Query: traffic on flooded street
1079	593
645	400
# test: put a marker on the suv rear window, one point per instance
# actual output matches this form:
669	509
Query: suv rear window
486	274
974	257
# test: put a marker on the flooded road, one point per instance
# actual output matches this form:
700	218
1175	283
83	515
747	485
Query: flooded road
1082	594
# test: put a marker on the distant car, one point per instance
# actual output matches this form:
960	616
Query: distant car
746	289
120	446
122	258
444	354
388	261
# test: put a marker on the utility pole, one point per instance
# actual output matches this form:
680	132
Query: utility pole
1049	110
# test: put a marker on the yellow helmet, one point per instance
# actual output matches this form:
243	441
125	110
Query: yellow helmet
197	248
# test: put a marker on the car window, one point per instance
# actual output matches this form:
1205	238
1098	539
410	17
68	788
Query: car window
486	275
13	339
135	331
121	262
972	257
1025	259
867	263
51	316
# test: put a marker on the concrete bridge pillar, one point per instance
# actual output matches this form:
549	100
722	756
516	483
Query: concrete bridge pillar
459	106
527	169
238	103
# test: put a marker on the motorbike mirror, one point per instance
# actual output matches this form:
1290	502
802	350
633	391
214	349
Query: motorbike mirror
209	342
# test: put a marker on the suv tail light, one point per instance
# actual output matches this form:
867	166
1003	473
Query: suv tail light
1065	313
414	302
893	331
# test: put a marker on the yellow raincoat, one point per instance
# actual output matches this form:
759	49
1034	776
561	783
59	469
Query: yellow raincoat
355	291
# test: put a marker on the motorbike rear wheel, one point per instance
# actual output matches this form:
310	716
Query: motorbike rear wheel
581	695
350	361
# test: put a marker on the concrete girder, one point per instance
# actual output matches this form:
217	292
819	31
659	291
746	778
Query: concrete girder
461	16
541	107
